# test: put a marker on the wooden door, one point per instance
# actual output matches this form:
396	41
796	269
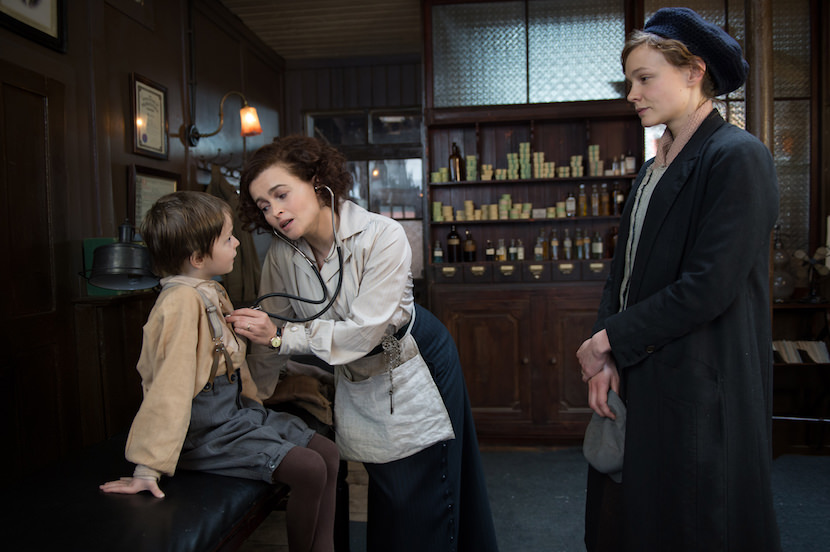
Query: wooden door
492	330
572	312
38	403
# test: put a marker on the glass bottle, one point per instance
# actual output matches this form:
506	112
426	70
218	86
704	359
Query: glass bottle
597	246
582	202
604	200
453	246
520	250
594	200
540	249
578	244
630	163
469	248
511	251
782	281
554	245
567	246
570	205
489	251
612	242
437	253
586	245
619	199
501	251
456	164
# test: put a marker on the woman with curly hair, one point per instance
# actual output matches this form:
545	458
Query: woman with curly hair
433	498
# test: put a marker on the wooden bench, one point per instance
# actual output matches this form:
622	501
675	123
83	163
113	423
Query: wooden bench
61	508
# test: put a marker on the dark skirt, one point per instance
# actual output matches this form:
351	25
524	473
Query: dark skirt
435	500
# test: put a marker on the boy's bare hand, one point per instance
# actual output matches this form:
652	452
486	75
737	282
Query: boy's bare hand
132	485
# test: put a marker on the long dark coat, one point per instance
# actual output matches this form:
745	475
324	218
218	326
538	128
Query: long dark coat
694	353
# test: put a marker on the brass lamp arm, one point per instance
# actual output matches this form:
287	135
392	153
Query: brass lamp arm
193	134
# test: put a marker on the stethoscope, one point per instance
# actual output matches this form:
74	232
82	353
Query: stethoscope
316	271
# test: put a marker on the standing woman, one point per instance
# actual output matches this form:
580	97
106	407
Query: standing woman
432	500
683	332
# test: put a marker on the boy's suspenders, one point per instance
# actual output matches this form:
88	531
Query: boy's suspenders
215	325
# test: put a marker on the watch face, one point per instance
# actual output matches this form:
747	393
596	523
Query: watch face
276	341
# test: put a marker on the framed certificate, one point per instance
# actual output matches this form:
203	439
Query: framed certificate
149	111
145	186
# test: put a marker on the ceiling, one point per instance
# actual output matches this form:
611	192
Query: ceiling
331	29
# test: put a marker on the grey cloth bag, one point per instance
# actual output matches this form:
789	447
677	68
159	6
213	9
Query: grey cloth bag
604	443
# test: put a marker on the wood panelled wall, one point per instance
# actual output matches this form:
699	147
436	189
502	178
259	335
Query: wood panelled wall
65	147
351	84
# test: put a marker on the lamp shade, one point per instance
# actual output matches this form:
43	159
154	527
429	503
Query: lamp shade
250	121
123	265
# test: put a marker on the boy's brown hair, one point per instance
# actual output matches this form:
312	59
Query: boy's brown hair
181	224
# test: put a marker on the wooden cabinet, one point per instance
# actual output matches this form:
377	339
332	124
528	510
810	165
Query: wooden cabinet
801	389
518	322
517	345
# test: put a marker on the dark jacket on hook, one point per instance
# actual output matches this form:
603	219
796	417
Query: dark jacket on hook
694	351
242	282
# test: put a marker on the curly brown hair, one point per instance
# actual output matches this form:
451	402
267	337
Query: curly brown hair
309	159
675	52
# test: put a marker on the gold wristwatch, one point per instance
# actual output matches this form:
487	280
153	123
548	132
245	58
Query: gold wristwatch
276	341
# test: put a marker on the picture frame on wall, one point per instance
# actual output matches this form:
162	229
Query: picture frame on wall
43	22
149	117
145	185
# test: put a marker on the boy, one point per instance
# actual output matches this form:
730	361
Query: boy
199	410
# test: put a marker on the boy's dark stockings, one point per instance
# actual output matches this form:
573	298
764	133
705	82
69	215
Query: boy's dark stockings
312	475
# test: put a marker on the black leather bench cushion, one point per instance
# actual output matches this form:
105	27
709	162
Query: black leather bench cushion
63	509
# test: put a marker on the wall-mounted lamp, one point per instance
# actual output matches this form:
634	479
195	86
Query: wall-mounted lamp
123	265
248	116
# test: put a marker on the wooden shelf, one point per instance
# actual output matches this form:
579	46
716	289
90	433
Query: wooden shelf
525	221
525	181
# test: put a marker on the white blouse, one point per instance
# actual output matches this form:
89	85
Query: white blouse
376	297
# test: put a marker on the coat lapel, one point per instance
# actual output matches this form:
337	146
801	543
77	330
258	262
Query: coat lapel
665	194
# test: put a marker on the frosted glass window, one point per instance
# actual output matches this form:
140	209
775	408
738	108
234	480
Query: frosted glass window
479	54
574	50
791	48
792	163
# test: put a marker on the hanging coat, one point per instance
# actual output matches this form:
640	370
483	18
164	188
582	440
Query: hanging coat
242	282
694	351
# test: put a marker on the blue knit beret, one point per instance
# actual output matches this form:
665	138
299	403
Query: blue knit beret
722	53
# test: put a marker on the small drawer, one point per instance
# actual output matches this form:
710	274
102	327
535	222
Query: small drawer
448	273
538	271
507	272
596	269
477	273
566	270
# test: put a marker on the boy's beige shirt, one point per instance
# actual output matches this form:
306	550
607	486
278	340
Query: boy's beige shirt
176	357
